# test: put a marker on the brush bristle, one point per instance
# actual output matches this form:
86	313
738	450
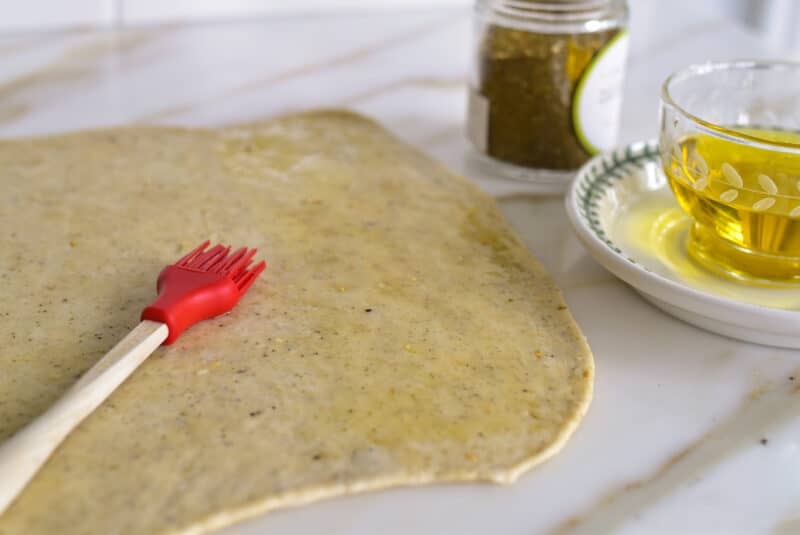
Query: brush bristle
219	259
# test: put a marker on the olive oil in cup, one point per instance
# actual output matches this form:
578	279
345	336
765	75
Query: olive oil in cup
730	146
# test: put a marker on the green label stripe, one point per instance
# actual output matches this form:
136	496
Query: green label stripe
576	120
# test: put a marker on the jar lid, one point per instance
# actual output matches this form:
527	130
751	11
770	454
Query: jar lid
553	15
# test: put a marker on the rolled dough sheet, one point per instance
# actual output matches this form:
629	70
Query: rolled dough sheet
401	334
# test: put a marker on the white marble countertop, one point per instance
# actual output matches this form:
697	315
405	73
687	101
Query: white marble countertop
688	433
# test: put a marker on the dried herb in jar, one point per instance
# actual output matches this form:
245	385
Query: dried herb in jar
524	94
529	80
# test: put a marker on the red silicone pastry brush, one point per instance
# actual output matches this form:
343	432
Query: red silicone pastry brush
201	285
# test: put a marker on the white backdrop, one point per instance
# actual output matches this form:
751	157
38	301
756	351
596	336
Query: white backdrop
778	20
50	14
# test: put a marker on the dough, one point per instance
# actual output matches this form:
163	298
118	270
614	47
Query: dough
400	335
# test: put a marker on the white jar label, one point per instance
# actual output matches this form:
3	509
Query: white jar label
598	97
478	120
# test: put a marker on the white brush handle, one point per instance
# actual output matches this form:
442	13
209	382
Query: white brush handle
23	454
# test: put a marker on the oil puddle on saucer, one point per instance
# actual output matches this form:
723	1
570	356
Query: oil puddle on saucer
653	230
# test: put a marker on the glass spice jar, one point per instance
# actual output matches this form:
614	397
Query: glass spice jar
546	86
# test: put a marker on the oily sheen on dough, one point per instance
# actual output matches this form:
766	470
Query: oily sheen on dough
401	334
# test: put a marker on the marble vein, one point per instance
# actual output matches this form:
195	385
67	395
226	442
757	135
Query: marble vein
426	82
21	43
77	66
304	70
766	407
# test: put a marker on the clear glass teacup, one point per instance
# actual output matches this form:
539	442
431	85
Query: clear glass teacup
730	146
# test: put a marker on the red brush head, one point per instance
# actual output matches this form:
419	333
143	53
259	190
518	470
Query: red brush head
201	285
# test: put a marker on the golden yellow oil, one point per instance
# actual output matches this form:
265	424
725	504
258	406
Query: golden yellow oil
745	201
653	230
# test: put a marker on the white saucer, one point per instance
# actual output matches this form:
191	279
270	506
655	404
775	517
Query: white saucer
623	211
